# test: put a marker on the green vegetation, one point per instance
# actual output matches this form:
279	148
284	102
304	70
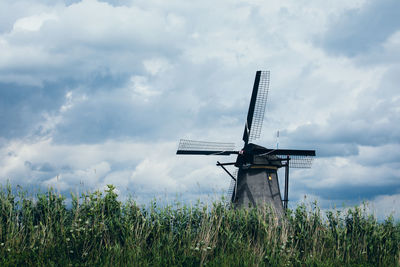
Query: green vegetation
99	230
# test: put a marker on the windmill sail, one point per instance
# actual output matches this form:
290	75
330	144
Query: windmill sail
297	158
232	187
191	147
256	182
296	161
230	194
258	102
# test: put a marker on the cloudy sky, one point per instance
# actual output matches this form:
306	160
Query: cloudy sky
97	92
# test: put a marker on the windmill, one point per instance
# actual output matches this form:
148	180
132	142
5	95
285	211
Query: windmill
256	182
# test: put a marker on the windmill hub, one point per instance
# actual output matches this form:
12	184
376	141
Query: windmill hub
256	182
253	154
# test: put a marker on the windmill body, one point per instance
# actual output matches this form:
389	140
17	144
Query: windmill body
256	183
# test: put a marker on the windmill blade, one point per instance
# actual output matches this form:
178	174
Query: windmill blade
191	147
302	162
298	158
258	101
289	152
230	194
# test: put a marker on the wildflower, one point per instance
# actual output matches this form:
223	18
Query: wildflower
2	244
196	248
8	250
71	251
68	239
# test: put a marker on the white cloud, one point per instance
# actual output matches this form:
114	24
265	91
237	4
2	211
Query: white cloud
385	205
142	170
83	37
156	65
33	23
141	89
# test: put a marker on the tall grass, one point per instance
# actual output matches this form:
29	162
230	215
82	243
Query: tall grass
97	229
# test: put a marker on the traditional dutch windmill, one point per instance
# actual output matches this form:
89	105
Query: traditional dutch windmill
256	182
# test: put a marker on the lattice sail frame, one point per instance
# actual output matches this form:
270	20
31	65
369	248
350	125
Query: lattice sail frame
259	109
296	161
232	185
188	145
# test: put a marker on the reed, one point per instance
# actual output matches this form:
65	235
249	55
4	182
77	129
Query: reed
97	229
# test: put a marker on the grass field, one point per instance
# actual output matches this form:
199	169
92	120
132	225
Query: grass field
99	230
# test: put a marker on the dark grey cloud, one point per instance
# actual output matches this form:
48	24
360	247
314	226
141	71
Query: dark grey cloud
383	155
361	30
370	119
342	136
22	107
118	113
345	191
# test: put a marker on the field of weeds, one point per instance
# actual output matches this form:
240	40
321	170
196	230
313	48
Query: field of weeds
97	229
